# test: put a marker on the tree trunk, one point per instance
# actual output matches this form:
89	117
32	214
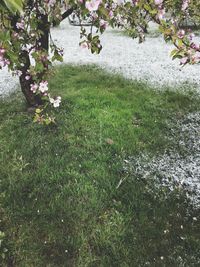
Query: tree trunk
31	98
43	43
44	27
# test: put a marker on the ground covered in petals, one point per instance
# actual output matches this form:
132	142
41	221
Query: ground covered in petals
149	61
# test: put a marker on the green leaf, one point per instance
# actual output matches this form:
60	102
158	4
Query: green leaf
14	5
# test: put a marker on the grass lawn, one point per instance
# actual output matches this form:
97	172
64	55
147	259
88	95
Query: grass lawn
60	200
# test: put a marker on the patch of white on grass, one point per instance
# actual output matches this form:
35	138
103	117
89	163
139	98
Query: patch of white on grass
179	167
8	83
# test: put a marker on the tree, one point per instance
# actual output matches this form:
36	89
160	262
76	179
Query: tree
28	51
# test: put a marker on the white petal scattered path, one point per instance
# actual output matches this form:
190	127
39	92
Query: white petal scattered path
148	61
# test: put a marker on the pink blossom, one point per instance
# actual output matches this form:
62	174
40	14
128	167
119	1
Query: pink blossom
111	13
34	87
20	25
43	86
158	2
55	101
92	5
51	3
27	77
194	46
94	16
184	60
185	5
196	57
161	14
103	23
2	51
181	34
85	45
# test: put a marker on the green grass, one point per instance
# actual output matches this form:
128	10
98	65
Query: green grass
60	204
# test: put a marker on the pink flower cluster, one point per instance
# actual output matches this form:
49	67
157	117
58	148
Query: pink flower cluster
192	53
3	61
42	88
55	101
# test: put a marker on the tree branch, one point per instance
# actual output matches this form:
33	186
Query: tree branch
67	13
